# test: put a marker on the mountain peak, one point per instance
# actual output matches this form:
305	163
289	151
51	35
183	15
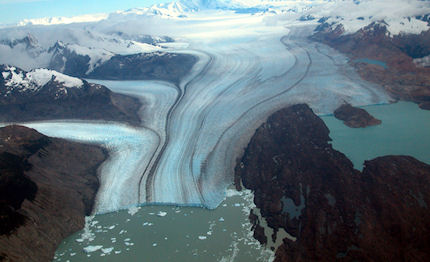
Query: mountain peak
16	79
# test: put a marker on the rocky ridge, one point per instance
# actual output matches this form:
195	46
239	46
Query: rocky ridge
47	187
334	212
107	56
110	66
44	95
154	66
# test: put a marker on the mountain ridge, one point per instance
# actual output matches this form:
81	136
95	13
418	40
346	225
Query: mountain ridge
43	94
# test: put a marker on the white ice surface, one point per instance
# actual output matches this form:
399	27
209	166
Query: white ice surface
129	148
250	74
192	134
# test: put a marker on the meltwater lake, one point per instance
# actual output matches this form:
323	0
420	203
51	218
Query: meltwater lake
169	233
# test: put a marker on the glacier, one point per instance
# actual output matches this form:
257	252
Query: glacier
250	65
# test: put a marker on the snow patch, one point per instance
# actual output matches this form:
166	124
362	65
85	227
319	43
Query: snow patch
43	76
147	48
422	62
35	79
97	56
5	74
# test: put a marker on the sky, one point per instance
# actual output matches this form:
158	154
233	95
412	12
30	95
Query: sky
13	11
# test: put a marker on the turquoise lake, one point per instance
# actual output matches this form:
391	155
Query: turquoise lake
405	130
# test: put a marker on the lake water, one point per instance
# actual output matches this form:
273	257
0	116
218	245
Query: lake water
167	233
371	61
405	130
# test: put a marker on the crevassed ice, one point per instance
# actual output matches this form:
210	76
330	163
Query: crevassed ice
193	133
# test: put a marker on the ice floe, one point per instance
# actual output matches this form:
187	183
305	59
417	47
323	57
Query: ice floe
90	249
162	214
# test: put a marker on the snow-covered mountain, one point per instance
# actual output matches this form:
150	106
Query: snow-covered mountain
17	82
43	94
91	40
401	16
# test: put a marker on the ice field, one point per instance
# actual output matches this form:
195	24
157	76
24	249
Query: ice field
185	151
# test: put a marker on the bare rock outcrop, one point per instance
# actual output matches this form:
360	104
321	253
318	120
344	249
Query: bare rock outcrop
355	117
303	185
47	186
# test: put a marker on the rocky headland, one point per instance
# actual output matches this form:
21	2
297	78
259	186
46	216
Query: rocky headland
355	117
47	187
396	69
43	94
332	211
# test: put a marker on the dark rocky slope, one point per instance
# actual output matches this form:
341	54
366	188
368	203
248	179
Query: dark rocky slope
304	186
402	78
154	66
56	101
47	186
143	66
355	117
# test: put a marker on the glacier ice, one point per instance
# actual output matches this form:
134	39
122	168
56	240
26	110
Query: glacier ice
185	151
